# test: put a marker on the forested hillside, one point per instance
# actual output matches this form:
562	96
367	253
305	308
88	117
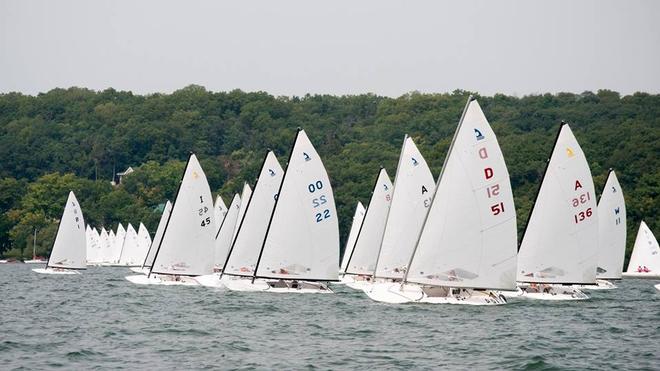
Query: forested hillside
73	139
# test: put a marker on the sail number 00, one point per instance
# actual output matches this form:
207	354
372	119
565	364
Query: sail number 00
316	202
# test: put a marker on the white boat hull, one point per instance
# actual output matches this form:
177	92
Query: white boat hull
276	286
210	280
652	276
140	270
657	287
35	261
547	292
395	293
58	271
600	285
165	280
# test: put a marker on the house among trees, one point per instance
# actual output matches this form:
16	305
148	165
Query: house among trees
118	176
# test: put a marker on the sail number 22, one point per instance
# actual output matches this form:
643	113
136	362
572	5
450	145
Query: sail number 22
319	201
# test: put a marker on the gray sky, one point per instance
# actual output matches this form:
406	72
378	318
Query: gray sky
336	47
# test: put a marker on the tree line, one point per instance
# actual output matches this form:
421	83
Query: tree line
77	139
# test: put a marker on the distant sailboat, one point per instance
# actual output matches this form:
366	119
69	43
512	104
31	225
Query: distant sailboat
468	243
245	201
358	218
223	239
117	245
151	253
219	212
35	259
611	235
68	255
411	199
128	256
300	251
361	262
186	249
93	246
560	244
645	258
244	252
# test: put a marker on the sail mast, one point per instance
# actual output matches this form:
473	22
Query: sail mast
538	191
240	225
396	176
442	171
171	212
270	221
371	199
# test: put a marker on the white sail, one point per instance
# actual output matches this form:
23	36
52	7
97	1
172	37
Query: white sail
469	238
413	190
149	260
245	201
358	218
302	241
89	245
130	247
111	246
560	244
69	250
611	230
645	257
367	245
144	242
187	244
98	245
118	246
219	212
247	245
106	247
222	241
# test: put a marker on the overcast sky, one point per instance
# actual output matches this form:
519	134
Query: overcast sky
337	47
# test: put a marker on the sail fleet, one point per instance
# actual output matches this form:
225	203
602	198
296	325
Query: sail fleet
451	240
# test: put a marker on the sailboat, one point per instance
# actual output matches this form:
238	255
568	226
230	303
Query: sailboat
186	249
300	251
223	239
560	244
245	200
468	243
149	258
358	218
411	199
645	258
68	253
93	246
611	235
219	212
35	259
117	245
106	246
129	246
242	258
361	262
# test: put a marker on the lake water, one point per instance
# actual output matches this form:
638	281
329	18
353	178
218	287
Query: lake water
100	320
